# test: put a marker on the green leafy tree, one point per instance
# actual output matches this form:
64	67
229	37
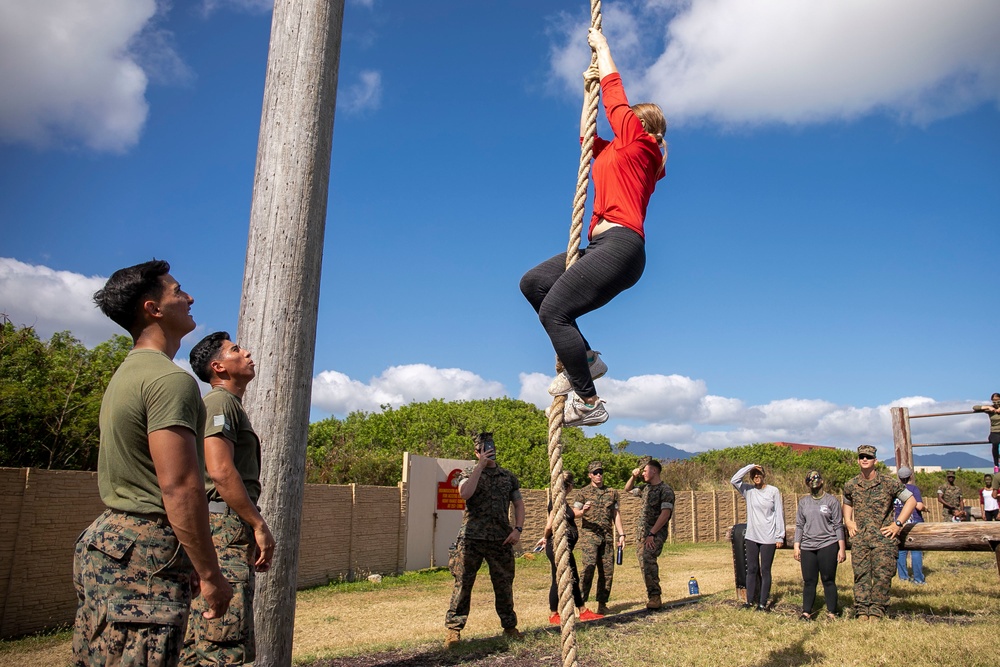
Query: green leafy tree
367	447
785	468
50	397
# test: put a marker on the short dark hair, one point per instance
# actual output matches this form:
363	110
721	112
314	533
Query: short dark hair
205	352
127	288
655	464
481	439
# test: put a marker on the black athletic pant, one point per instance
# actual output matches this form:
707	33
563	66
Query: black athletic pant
759	559
994	440
819	563
554	587
609	265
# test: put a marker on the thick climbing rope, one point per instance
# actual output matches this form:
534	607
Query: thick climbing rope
564	573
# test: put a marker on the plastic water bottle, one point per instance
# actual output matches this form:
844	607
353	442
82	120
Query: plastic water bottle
692	586
618	557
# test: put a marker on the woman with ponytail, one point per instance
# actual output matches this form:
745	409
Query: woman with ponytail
625	172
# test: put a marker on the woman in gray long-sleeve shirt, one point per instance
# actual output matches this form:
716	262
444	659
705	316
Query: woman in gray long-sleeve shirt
819	544
765	531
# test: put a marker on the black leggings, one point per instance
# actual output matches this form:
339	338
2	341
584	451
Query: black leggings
609	265
995	441
821	563
759	559
554	587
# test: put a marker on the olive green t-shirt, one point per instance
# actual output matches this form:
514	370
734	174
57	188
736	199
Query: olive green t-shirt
225	416
147	393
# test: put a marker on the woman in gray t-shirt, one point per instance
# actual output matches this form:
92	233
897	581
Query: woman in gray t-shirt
765	531
819	544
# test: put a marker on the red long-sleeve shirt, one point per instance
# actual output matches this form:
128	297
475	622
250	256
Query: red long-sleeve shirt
627	168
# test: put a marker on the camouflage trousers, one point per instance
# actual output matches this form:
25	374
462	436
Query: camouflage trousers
228	640
465	560
597	553
874	562
133	587
649	565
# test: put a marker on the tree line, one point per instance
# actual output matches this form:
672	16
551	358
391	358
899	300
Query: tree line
50	397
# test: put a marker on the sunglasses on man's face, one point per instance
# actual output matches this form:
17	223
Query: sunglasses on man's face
866	457
597	472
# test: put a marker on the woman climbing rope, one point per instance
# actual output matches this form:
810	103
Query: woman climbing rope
625	173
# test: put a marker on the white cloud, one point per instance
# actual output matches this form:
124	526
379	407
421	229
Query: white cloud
363	95
52	301
398	385
669	409
789	61
678	411
71	72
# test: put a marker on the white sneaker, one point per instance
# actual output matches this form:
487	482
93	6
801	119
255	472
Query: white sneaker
578	413
561	385
569	398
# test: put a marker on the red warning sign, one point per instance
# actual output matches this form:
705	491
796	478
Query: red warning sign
448	496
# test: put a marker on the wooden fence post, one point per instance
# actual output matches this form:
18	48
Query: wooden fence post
902	445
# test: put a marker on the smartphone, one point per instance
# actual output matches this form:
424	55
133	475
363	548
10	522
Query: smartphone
489	449
538	548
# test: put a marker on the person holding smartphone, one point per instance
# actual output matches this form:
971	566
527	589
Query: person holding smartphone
486	534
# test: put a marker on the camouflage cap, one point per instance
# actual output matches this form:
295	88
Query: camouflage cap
595	465
643	460
949	473
867	449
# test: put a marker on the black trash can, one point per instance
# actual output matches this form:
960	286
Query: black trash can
739	533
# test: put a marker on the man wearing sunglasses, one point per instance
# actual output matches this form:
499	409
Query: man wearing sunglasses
868	516
597	507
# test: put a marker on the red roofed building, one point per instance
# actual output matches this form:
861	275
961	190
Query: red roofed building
799	447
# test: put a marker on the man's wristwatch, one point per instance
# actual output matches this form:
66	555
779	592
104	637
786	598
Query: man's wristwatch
899	523
650	535
519	529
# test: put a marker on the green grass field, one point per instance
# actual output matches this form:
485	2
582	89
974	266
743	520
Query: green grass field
953	620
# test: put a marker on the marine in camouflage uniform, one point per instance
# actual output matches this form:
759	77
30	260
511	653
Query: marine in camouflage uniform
131	573
486	534
950	496
599	512
868	515
652	526
242	538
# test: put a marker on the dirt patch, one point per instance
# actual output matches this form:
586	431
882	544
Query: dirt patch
435	657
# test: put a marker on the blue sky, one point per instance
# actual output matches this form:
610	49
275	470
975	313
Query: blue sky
822	247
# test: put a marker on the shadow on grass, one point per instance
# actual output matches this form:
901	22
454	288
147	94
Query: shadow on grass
792	655
491	650
468	652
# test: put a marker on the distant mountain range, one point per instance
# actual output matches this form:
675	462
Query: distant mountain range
659	452
948	461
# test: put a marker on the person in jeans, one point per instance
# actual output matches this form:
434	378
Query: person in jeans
765	531
916	557
819	545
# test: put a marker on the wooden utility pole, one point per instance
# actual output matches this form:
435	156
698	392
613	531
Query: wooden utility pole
281	284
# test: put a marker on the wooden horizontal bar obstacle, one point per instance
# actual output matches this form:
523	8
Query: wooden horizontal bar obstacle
902	442
978	536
